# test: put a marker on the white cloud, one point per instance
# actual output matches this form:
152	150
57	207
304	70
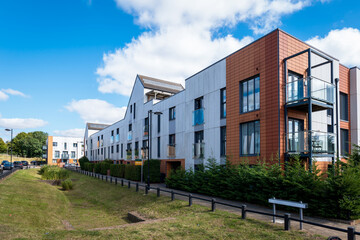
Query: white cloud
340	43
76	132
96	110
21	123
180	39
4	94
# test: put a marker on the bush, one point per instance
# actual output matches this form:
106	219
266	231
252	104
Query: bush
154	170
89	166
82	162
53	173
104	165
67	184
117	170
97	167
133	172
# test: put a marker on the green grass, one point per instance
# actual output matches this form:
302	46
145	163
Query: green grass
30	209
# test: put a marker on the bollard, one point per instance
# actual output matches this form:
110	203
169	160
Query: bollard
129	184
172	195
106	178
190	200
137	187
158	192
110	179
115	181
351	233
243	211
122	182
213	204
146	190
287	221
102	177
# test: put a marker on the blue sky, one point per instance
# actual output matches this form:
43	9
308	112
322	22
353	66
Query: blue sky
63	63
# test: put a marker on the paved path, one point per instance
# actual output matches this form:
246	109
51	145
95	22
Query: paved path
294	225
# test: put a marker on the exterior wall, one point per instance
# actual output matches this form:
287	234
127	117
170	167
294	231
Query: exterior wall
344	87
50	155
355	105
60	147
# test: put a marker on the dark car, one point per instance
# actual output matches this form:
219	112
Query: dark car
8	166
18	164
25	163
3	162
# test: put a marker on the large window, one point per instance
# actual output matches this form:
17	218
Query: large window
223	103
198	103
117	135
117	148
172	140
112	136
172	113
222	141
344	113
57	154
344	136
158	147
250	138
134	110
72	154
158	123
54	144
250	95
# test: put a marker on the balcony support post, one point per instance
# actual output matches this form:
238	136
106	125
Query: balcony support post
310	110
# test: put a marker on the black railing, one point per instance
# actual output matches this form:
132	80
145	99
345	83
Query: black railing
350	231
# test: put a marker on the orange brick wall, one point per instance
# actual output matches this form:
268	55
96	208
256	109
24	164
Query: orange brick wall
344	87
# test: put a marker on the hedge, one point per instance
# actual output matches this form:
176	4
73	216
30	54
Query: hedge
97	167
88	166
154	170
104	167
332	195
82	162
117	170
132	172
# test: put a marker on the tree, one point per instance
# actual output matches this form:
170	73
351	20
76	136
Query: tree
29	144
3	146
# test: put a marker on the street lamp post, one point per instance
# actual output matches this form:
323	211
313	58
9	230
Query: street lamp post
150	145
11	130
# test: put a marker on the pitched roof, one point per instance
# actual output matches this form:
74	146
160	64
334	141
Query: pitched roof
160	85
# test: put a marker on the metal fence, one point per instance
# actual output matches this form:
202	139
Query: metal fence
350	231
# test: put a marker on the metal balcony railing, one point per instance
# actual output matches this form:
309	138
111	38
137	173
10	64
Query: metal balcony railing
198	150
321	142
128	155
320	90
146	130
171	151
198	117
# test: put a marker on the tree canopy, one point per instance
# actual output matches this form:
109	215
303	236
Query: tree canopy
3	146
29	144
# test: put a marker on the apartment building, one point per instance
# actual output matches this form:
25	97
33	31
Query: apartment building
275	97
62	150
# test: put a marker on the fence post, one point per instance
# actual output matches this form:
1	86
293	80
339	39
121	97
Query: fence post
129	184
190	200
110	179
106	178
102	177
122	182
172	195
351	233
213	204
243	211
158	192
287	221
146	190
115	181
137	187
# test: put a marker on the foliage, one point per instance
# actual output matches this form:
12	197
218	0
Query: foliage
88	166
133	172
3	146
104	166
335	196
67	184
82	162
97	167
53	173
154	170
29	144
117	170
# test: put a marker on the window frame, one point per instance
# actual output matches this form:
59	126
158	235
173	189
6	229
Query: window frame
255	135
254	80
172	114
222	103
344	144
223	141
342	111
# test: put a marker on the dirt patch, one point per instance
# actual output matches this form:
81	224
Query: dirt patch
51	182
135	217
67	225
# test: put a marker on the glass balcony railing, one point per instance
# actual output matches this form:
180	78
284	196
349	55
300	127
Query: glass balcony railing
117	138
198	117
64	156
171	151
198	150
321	142
320	90
128	155
129	137
146	130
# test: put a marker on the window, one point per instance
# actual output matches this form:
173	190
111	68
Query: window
112	136
130	127
130	108
172	113
146	126
54	161
98	141
74	144
250	138
223	103
102	151
250	95
57	154
117	135
72	154
65	146
134	110
199	136
172	140
295	86
98	151
158	147
158	122
296	135
344	113
117	148
198	103
137	149
344	137
112	149
54	144
222	141
122	151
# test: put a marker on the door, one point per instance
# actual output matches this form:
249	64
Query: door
296	135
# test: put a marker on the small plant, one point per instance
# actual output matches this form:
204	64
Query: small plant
67	184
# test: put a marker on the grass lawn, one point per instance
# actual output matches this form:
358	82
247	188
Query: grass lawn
31	209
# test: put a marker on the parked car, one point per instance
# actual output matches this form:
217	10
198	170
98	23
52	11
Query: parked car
25	163
8	166
3	162
33	163
18	164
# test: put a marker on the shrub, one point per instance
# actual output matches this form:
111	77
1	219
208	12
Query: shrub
53	173
97	167
67	184
104	165
89	166
133	172
154	170
116	170
82	162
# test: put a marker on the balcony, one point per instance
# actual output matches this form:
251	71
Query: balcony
322	92
144	152
321	142
128	154
198	117
44	147
129	136
146	130
65	156
171	151
198	150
